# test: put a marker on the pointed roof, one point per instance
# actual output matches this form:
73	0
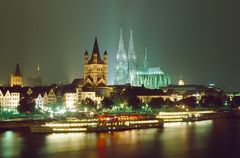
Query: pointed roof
121	44
105	52
131	45
38	68
131	50
17	71
145	59
97	52
95	47
86	53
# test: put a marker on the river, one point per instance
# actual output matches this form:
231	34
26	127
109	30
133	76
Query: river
212	138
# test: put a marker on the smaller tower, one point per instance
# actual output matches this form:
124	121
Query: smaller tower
16	78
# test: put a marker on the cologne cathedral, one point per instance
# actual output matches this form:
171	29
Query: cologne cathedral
126	70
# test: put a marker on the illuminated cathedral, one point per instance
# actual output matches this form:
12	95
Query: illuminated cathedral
126	70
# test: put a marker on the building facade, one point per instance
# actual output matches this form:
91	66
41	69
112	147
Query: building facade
96	69
16	78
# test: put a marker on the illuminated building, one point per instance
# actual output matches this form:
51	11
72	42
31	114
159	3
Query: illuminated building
9	98
121	68
96	69
132	61
126	70
91	95
52	98
16	78
151	77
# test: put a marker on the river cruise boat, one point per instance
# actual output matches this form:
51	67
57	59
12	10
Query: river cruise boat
102	123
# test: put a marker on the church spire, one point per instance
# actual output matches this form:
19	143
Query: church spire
145	59
17	71
95	47
96	54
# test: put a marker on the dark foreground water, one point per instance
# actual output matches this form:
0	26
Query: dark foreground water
219	138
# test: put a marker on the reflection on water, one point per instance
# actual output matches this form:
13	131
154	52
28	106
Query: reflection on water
198	139
10	144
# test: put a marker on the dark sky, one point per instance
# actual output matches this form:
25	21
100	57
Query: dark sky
199	40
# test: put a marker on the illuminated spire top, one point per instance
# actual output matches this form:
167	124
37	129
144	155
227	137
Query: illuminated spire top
38	68
131	45
145	59
121	44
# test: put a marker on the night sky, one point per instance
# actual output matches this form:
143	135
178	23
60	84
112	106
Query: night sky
199	40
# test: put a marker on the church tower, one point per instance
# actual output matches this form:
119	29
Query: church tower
16	78
121	67
132	61
95	69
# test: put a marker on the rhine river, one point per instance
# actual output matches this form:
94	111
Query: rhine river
212	138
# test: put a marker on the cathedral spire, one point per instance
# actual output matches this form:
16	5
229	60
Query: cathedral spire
121	44
145	59
121	68
131	45
132	60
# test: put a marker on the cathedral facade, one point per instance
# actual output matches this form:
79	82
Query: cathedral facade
127	71
95	69
126	63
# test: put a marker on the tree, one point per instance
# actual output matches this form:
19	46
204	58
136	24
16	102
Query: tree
89	103
211	101
156	103
189	101
134	102
235	101
107	103
168	102
26	105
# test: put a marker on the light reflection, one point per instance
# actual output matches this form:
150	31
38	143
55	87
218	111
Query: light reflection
9	141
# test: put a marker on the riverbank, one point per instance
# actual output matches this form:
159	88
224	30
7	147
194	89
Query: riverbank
190	116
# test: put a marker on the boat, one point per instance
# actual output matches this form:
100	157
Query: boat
102	123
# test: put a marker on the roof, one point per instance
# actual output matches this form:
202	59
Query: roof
17	71
96	52
77	81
